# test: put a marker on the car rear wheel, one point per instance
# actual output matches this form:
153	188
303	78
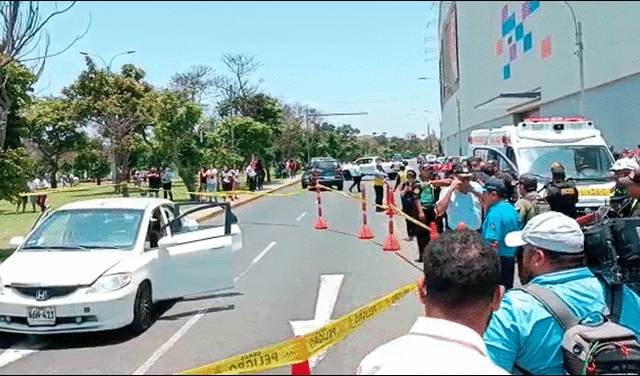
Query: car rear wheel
142	309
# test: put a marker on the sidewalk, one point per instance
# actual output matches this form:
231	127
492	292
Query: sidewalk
269	187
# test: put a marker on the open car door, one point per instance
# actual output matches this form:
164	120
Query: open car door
196	258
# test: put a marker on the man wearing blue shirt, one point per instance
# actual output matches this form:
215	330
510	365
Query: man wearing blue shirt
501	219
523	335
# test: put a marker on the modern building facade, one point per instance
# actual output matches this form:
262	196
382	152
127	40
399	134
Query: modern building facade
503	61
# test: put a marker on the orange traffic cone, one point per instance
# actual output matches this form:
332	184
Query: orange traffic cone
365	232
390	242
433	231
320	224
301	368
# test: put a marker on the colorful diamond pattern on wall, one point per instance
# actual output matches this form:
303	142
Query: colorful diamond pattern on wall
514	31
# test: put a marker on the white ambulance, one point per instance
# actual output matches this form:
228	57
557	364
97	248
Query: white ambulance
534	144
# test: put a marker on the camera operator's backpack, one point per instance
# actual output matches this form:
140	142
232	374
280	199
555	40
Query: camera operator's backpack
605	348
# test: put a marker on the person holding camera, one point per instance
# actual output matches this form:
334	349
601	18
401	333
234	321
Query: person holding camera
523	335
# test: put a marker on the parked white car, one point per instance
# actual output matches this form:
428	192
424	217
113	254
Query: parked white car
103	264
368	166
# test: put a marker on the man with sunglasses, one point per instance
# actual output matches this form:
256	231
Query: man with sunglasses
461	201
522	335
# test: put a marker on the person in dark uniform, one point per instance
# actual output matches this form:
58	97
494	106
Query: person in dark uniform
562	194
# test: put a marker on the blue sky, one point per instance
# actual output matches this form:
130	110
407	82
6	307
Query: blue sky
334	56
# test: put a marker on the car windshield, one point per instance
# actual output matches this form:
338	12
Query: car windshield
87	229
580	162
326	165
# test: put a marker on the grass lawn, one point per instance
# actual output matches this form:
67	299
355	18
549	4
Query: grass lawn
13	224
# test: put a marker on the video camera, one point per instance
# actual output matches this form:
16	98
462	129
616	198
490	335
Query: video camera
612	247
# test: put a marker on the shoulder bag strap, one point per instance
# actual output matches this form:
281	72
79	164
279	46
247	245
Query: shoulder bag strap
613	297
553	303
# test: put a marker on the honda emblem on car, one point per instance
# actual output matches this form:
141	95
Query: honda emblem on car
42	295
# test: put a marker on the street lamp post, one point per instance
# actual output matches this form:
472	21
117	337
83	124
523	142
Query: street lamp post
580	53
108	66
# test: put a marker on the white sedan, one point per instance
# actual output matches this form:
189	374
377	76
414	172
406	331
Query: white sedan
103	264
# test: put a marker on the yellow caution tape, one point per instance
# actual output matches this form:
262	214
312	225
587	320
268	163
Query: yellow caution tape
302	348
595	191
234	193
385	207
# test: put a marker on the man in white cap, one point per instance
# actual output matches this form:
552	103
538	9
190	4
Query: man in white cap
523	336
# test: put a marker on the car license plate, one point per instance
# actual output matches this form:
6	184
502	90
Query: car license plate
41	316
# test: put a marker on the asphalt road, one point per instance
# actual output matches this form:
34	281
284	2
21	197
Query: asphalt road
278	275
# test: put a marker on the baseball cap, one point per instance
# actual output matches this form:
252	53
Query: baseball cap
495	184
552	231
625	164
528	181
462	170
632	179
557	168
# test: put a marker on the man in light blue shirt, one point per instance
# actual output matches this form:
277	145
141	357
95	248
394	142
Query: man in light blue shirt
461	200
523	335
501	219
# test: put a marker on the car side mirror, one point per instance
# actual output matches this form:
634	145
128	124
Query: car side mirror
17	240
164	243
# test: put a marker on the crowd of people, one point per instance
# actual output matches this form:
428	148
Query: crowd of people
475	321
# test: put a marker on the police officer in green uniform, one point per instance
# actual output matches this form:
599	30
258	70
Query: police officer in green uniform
620	201
562	194
632	184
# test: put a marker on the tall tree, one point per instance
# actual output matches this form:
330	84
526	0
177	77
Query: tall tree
23	29
54	132
174	122
195	84
114	102
249	136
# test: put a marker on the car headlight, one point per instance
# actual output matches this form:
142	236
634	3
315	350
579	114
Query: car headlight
110	283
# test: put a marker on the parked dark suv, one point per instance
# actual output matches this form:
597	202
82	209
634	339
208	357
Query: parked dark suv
325	171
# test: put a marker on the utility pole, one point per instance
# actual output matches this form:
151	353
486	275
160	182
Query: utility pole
459	129
580	53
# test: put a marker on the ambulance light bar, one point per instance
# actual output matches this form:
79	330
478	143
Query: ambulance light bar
552	119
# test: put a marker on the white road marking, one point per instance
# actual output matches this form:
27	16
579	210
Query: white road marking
17	352
327	298
255	260
300	217
167	345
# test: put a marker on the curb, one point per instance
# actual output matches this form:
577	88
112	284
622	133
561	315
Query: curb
249	199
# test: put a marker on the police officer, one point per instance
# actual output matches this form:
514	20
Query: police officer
523	335
632	184
561	193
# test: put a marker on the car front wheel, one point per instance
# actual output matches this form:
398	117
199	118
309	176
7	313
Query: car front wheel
142	309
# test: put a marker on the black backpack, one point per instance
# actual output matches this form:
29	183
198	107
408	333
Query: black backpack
605	348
